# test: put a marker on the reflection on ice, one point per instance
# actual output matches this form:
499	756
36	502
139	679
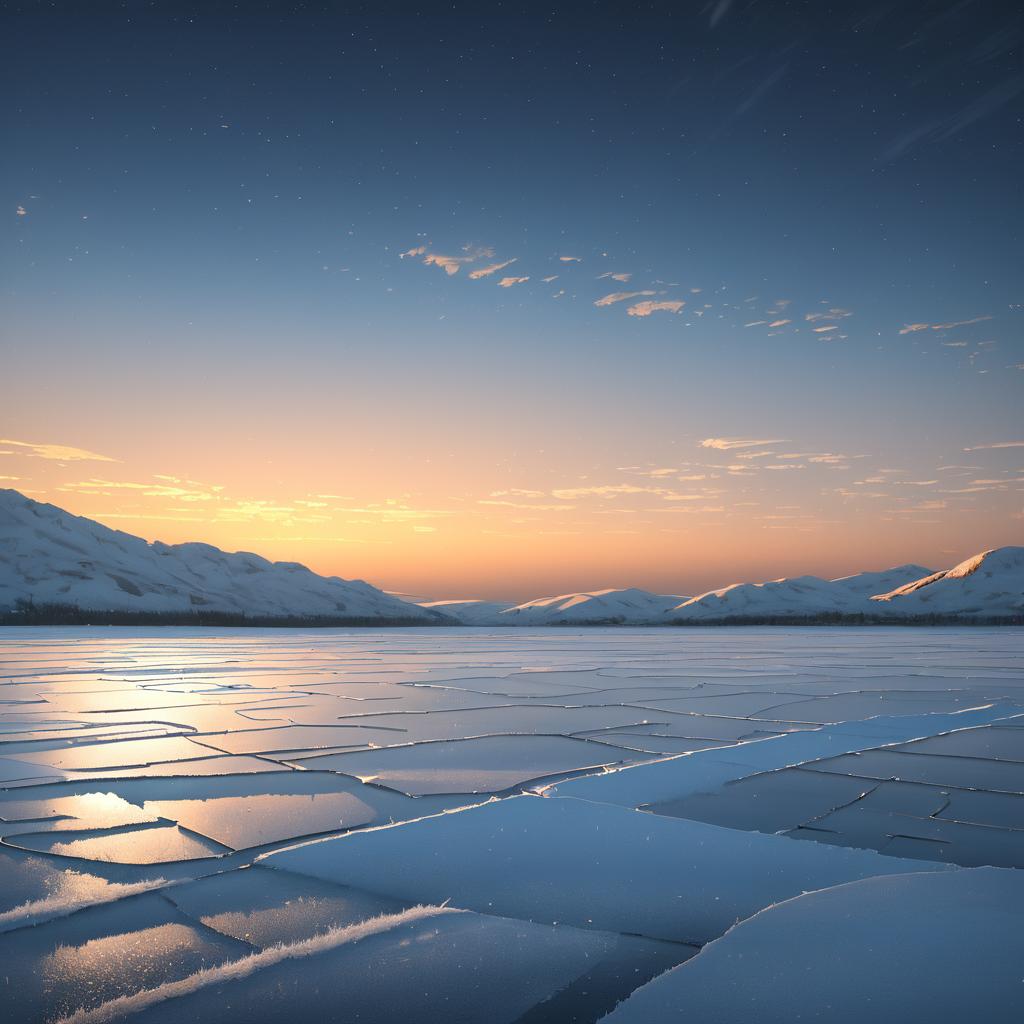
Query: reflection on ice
158	844
242	821
33	889
265	908
104	952
486	765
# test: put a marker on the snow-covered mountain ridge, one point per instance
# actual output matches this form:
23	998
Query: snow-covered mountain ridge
50	557
986	586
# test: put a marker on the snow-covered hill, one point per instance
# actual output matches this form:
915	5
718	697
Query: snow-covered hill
471	613
868	583
49	556
991	583
622	606
798	597
627	607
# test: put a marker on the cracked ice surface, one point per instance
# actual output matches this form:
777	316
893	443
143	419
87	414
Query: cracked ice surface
527	826
956	934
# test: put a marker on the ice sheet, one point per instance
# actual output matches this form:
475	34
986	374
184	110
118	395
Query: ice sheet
918	949
160	844
122	747
243	821
263	907
674	778
936	770
585	864
488	765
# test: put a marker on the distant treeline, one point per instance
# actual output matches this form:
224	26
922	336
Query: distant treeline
824	619
856	619
28	614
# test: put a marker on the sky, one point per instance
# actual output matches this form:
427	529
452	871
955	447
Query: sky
504	301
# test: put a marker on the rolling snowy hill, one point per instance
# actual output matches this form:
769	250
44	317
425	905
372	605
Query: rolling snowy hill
622	607
471	613
48	556
797	597
597	607
991	583
988	586
627	607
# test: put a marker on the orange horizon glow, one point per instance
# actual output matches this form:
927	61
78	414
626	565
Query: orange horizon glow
680	529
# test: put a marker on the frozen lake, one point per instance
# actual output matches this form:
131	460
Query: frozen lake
511	825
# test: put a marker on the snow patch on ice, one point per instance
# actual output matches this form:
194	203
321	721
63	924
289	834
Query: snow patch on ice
115	1009
37	911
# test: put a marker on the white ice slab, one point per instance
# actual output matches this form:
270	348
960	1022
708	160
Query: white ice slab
699	772
915	948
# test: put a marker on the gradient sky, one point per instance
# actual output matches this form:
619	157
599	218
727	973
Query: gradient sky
504	301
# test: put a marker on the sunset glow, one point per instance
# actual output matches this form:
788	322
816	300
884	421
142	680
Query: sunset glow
688	519
694	346
511	513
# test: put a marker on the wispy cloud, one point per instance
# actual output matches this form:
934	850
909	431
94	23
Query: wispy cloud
518	492
503	503
386	512
475	275
95	487
984	105
507	282
603	491
834	313
449	264
622	278
656	473
719	9
56	452
613	297
647	307
815	458
762	89
727	444
995	444
914	328
570	259
617	490
942	129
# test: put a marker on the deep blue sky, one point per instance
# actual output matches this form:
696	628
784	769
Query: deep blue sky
201	275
